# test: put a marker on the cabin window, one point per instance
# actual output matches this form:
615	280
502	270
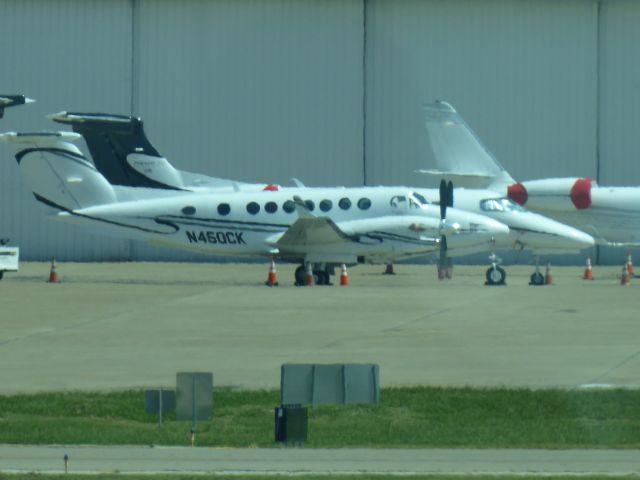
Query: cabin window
271	207
224	209
325	205
491	205
189	210
310	205
289	206
253	208
364	203
344	203
418	199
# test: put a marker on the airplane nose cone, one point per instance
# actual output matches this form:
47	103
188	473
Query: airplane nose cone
584	240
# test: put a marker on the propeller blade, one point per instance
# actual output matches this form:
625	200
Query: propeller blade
443	199
450	194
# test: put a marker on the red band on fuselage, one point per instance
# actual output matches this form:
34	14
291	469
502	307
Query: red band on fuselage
518	193
581	193
271	188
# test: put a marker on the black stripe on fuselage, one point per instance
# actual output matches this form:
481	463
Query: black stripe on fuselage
51	204
207	222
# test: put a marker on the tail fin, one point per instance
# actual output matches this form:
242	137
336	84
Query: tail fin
121	151
123	154
7	101
57	172
457	150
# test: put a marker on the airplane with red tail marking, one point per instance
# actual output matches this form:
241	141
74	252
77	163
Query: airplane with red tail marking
610	214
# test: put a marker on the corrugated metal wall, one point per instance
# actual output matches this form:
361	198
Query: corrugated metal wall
252	90
69	54
619	101
522	73
328	92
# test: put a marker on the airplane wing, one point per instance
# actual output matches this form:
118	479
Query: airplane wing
457	150
311	232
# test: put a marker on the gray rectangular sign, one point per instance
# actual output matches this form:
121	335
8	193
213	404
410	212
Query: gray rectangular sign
194	396
340	383
152	400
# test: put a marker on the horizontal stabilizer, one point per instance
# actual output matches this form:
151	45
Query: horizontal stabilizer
7	101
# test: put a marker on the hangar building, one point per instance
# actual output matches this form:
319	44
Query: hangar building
325	91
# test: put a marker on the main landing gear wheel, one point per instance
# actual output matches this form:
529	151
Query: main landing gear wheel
320	277
300	275
496	276
536	279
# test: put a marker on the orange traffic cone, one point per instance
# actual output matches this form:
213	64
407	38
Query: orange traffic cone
389	269
629	265
548	278
626	278
308	278
588	272
272	278
53	275
344	277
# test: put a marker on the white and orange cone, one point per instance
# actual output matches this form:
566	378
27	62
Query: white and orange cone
389	269
272	277
344	276
588	271
308	278
548	278
53	274
629	265
626	278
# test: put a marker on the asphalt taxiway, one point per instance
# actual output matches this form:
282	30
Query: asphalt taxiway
122	325
297	461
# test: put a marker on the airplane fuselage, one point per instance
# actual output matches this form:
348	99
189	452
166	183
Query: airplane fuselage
375	223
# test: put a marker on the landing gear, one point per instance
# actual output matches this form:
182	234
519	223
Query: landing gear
495	275
536	279
321	276
301	274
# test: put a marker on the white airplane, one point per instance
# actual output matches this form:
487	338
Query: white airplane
123	154
319	228
610	214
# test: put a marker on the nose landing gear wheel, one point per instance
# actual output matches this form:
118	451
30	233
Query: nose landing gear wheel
496	276
536	279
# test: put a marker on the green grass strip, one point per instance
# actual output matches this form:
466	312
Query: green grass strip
422	417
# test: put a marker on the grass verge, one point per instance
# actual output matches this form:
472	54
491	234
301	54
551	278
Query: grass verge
406	417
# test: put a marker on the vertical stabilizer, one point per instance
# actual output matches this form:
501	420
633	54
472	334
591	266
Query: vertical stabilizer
57	172
121	151
457	150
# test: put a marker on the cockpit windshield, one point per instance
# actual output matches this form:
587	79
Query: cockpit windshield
500	205
417	200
